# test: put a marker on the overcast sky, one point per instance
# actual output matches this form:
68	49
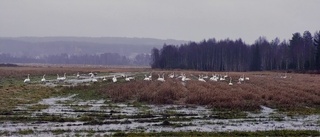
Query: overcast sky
165	19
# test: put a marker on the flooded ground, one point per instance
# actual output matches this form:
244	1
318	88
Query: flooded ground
71	116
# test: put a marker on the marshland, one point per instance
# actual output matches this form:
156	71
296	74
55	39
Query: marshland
159	68
263	103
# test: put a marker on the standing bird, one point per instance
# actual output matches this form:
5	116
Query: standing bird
64	77
114	79
184	78
230	83
58	77
43	80
78	75
222	78
241	78
127	79
27	80
61	78
92	75
171	75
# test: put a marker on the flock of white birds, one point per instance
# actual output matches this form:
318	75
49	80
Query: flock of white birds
201	78
91	77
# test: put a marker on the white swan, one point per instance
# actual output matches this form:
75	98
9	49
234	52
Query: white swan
94	80
104	79
201	79
114	79
43	79
222	78
205	77
92	75
78	75
61	78
161	78
241	78
214	78
64	77
230	83
171	75
27	80
131	78
146	78
225	76
127	79
246	78
185	77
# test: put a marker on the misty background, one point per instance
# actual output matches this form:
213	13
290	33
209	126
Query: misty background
124	32
80	50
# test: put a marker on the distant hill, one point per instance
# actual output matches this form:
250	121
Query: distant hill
42	46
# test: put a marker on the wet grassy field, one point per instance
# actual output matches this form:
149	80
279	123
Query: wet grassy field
265	105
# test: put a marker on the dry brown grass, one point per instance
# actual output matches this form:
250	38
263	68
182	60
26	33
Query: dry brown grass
155	92
263	88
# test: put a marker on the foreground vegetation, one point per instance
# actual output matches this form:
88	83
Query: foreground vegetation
229	134
297	94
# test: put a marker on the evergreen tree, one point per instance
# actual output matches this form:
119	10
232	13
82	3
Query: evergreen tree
155	55
317	44
256	59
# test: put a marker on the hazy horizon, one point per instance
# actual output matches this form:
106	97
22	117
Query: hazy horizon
188	20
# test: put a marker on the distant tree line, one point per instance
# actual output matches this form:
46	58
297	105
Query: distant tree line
98	59
300	53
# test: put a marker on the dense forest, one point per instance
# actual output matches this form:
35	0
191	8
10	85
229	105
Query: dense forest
97	59
300	53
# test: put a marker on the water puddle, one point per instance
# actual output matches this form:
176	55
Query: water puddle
69	116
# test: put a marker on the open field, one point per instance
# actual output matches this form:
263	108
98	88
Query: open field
282	106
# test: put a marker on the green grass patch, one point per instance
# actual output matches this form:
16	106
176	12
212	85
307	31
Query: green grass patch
300	111
60	131
26	132
37	107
